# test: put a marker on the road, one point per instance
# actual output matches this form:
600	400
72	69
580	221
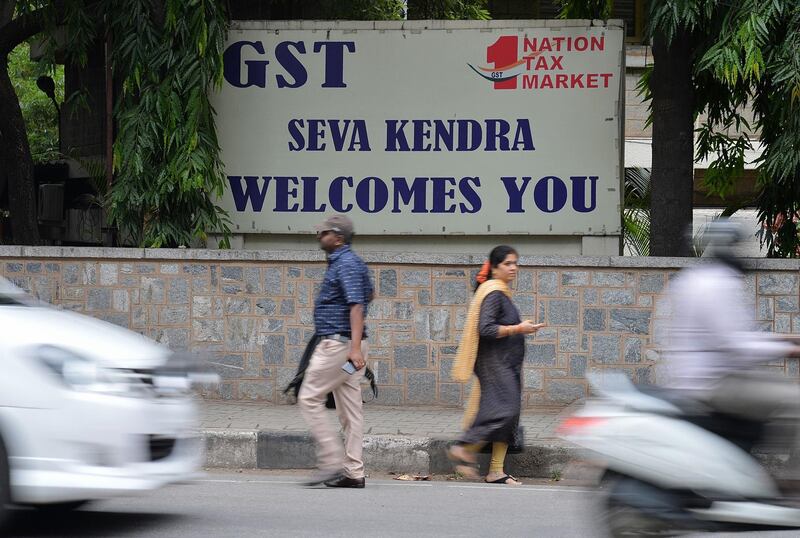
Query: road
252	504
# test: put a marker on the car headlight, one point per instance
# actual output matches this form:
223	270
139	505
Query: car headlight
81	373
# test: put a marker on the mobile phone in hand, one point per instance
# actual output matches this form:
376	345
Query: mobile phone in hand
349	367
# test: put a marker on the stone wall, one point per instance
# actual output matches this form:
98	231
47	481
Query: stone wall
251	312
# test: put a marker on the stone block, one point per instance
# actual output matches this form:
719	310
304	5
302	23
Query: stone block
778	283
524	281
534	379
631	320
266	307
174	315
577	366
145	268
445	369
273	280
540	354
411	356
568	340
153	290
633	350
382	371
178	291
256	390
287	307
139	317
121	300
450	393
237	306
403	310
208	330
195	269
71	273
274	349
644	375
617	297
787	304
230	273
390	396
89	274
424	297
766	308
605	348
201	307
98	300
169	269
122	320
783	323
574	278
526	304
562	312
388	283
651	283
604	279
252	280
241	334
547	283
175	339
227	366
315	273
590	297
594	319
450	292
563	391
232	289
421	387
415	278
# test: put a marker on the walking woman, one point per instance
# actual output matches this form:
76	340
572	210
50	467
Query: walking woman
492	348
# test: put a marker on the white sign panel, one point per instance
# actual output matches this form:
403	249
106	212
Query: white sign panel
483	130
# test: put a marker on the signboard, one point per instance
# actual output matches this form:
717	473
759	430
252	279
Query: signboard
463	128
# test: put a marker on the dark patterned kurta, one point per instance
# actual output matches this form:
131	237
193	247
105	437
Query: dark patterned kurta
498	367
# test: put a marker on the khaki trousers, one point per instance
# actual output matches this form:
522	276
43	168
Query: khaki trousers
324	375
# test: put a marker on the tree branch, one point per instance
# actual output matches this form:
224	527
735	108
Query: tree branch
22	28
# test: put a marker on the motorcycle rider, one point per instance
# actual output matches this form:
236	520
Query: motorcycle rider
713	354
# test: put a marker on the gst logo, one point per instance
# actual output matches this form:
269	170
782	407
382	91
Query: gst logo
288	55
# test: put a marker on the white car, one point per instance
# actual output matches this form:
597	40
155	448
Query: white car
88	410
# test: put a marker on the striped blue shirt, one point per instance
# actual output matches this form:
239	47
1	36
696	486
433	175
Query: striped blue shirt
346	283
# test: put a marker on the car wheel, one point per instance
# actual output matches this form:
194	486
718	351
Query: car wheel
5	484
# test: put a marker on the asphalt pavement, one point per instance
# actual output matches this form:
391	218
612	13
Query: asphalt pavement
260	503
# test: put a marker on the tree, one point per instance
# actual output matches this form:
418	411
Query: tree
16	164
756	61
167	56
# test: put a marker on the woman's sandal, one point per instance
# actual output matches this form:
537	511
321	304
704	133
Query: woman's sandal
505	480
463	467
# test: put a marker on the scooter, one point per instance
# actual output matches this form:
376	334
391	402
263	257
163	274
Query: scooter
667	469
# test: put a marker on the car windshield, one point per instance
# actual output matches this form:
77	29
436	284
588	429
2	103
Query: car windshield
12	295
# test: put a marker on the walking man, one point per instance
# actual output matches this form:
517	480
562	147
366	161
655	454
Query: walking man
337	364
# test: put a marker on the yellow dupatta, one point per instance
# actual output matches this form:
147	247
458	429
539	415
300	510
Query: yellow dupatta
464	365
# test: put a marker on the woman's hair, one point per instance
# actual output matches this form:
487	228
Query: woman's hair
496	257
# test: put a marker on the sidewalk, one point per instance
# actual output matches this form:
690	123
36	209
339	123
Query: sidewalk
402	440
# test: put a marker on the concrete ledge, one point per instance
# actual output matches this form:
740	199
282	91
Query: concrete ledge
398	258
230	449
382	453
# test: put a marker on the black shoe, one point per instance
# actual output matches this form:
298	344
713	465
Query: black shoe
320	477
345	482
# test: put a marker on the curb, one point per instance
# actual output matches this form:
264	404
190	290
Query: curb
248	449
